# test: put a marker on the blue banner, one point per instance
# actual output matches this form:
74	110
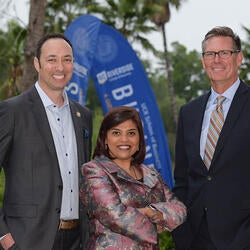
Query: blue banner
120	80
83	34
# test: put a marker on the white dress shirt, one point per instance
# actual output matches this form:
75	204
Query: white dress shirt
211	105
63	132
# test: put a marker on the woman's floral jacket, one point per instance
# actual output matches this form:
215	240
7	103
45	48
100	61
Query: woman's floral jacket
112	197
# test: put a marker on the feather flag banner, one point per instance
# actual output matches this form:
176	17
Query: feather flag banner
103	53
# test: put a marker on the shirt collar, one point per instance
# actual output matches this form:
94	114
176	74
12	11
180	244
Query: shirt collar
47	102
229	93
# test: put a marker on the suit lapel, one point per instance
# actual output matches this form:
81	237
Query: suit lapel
233	115
199	111
76	118
40	115
199	115
82	132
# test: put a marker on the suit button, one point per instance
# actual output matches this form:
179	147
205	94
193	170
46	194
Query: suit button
58	210
209	178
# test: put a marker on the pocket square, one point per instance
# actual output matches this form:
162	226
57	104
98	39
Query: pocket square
86	133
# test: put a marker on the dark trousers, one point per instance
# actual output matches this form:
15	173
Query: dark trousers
67	239
203	241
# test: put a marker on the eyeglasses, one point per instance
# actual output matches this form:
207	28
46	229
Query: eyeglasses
223	54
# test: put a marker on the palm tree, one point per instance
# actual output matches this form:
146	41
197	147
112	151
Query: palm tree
244	70
160	16
34	33
11	58
47	16
60	13
129	17
133	18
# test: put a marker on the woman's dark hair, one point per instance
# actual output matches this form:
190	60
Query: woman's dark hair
113	118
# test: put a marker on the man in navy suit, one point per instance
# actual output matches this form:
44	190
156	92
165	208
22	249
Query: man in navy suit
218	195
44	139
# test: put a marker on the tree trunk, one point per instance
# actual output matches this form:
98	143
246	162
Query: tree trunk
169	78
35	32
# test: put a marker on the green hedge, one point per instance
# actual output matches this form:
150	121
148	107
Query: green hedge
166	241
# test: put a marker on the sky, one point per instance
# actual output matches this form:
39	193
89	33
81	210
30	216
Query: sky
189	24
195	18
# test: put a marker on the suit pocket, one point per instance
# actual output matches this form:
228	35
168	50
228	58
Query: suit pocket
20	210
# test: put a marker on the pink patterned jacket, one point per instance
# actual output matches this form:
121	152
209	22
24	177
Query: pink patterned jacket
112	197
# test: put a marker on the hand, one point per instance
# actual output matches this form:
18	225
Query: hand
156	215
153	214
143	210
7	241
161	229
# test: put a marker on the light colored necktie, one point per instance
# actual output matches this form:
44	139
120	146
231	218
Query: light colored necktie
215	126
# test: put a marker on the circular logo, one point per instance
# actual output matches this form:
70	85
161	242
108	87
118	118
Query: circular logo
80	41
106	49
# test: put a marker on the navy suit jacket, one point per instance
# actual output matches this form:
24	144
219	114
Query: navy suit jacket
33	184
223	191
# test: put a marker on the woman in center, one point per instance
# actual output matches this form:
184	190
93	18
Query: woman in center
128	203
